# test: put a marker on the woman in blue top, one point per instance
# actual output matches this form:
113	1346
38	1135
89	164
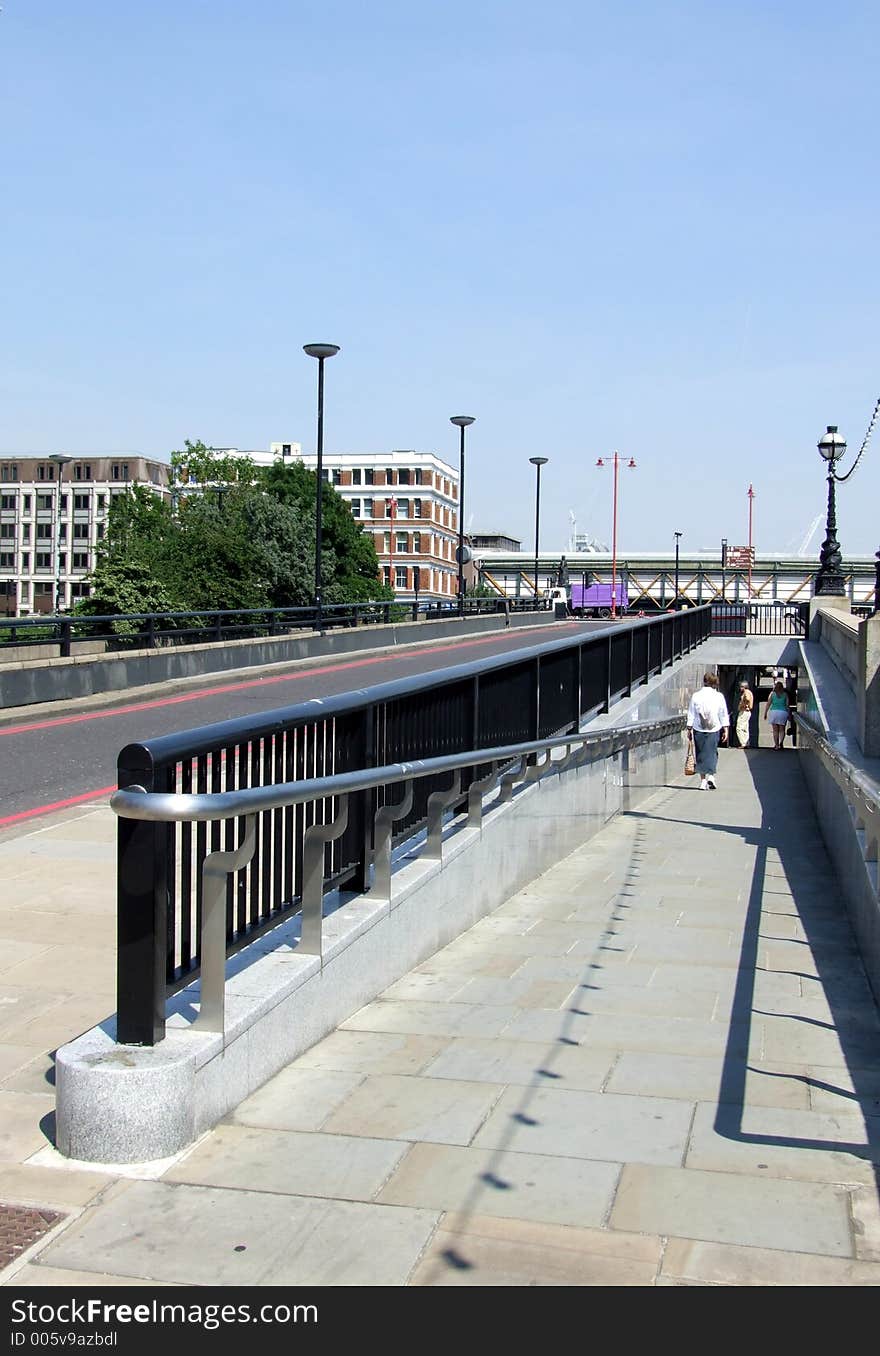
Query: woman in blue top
776	711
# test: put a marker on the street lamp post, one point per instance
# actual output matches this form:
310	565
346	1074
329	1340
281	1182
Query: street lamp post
537	462
829	578
60	461
724	569
751	547
677	538
462	421
631	466
321	352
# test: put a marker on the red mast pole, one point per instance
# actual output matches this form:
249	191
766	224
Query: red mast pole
751	498
614	544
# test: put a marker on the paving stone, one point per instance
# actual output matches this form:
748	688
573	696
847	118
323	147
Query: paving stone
695	1078
517	992
435	1110
525	1186
297	1098
286	1161
373	1052
27	1184
484	1251
588	1125
783	1142
195	1235
431	1019
20	1116
866	1221
522	1062
725	1264
34	1274
763	1212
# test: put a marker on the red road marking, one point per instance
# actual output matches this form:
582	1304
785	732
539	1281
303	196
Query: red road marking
238	687
58	805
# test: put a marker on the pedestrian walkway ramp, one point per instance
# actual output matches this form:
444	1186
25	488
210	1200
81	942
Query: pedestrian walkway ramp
656	1064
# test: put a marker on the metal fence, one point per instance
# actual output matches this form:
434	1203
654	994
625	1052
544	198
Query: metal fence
760	619
151	630
500	701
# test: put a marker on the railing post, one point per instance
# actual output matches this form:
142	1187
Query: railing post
64	637
151	631
218	628
142	909
607	649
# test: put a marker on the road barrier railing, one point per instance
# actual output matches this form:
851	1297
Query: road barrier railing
291	832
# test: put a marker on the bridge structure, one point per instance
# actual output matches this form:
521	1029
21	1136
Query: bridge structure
650	578
456	980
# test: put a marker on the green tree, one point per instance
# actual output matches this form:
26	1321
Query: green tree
120	586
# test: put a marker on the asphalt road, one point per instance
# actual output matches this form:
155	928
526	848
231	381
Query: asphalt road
64	754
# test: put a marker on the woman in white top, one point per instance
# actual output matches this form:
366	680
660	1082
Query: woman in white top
708	722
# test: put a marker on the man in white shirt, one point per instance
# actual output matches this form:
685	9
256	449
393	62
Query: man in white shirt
708	722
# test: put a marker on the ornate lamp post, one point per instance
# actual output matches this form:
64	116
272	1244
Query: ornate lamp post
60	461
462	421
829	578
321	352
631	466
537	462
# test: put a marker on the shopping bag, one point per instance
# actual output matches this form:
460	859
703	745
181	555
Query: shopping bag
690	762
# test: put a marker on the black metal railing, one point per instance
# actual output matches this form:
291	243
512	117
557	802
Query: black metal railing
533	692
760	619
150	630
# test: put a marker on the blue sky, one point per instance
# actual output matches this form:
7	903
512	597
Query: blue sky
650	227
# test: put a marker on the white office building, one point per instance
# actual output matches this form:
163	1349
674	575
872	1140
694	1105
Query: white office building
53	514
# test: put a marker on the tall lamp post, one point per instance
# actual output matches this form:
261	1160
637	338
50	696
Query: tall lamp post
631	466
677	538
461	421
537	462
321	352
60	461
829	579
751	547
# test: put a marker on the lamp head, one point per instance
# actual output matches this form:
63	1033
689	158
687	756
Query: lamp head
832	445
539	461
631	464
59	458
600	462
321	350
461	420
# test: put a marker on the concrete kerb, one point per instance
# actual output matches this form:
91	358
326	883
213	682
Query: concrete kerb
131	1104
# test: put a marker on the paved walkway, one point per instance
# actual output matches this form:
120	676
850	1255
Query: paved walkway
657	1065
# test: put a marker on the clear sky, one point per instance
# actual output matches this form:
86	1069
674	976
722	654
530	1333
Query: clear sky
650	227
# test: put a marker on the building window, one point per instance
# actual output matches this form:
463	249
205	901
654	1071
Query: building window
81	501
41	590
118	471
386	571
403	508
417	541
356	476
80	560
44	560
62	507
285	449
79	590
7	560
62	531
82	470
9	471
62	563
44	501
80	532
102	502
389	475
44	531
369	475
403	476
355	506
337	476
417	508
7	531
25	503
400	576
99	531
401	543
368	508
325	475
418	476
25	561
7	501
25	531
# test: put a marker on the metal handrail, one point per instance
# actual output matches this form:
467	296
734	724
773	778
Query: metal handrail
174	807
860	789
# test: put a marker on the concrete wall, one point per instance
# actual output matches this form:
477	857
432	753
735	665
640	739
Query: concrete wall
125	1104
23	683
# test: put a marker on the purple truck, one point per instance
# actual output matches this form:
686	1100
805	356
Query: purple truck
595	600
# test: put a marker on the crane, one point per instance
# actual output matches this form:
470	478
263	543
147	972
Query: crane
804	546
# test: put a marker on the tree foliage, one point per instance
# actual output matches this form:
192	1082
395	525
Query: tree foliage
238	537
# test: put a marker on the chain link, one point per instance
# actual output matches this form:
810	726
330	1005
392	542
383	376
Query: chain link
841	479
